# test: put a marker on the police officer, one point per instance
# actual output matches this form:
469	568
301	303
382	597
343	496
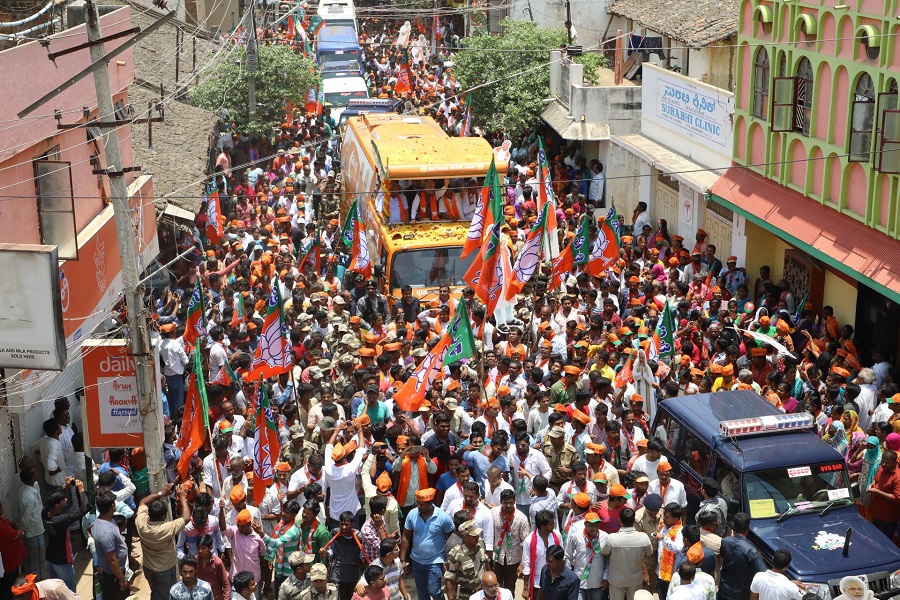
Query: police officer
465	564
299	580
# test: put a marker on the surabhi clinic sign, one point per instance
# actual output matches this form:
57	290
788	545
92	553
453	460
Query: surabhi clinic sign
110	391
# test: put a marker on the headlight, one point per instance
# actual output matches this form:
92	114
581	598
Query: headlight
895	579
818	591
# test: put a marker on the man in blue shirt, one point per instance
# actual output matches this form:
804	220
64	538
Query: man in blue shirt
426	529
740	561
557	581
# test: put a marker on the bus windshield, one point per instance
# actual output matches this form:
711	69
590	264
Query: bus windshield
802	488
343	98
430	267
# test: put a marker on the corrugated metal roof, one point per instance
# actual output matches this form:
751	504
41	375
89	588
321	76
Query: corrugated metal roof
841	241
696	23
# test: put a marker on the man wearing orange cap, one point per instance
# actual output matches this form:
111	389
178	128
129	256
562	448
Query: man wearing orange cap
580	438
593	456
760	366
247	546
669	489
426	529
413	466
341	473
564	390
381	487
583	547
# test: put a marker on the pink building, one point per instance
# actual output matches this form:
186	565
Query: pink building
49	195
817	149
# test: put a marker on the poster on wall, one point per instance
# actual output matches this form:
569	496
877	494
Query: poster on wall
111	394
31	325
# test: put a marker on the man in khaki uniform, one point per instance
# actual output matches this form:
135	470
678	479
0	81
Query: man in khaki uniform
319	589
648	519
560	457
297	452
299	581
465	564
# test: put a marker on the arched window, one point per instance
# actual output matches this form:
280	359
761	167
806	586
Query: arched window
887	144
862	119
803	96
792	99
761	84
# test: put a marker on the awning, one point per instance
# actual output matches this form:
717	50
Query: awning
557	116
668	161
838	240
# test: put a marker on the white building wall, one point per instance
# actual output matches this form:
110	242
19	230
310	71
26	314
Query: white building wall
589	17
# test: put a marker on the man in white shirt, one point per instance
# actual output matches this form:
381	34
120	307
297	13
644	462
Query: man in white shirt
772	584
687	590
30	507
669	489
598	182
649	462
341	473
490	589
174	359
478	512
218	356
51	454
217	460
526	464
583	547
534	553
494	486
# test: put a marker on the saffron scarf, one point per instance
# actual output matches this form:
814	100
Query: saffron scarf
406	474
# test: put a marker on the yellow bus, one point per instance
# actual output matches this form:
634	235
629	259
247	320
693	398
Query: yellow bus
380	148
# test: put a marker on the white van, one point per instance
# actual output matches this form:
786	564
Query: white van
339	91
337	12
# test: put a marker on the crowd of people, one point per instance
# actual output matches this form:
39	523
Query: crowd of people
531	466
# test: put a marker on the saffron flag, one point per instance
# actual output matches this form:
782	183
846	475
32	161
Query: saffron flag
226	376
240	312
404	77
195	323
195	422
459	330
313	254
354	237
316	23
488	210
273	353
290	25
529	257
412	394
573	255
214	218
546	196
625	374
266	447
485	276
604	251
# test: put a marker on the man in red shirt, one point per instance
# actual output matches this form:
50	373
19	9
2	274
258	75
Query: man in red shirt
885	491
611	507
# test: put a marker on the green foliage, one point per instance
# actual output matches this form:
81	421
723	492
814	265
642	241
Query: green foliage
282	77
514	102
592	61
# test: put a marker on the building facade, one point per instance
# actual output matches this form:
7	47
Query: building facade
51	195
816	134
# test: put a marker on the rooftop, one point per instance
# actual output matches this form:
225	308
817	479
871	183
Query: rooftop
696	23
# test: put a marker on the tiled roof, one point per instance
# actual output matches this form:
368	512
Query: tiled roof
696	23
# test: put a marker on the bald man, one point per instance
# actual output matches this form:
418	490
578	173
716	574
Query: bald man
490	589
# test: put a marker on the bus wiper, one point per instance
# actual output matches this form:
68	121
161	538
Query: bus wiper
788	513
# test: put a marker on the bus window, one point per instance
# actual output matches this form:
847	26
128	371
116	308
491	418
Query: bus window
429	267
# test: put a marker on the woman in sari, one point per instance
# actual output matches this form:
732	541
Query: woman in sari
870	462
856	441
836	437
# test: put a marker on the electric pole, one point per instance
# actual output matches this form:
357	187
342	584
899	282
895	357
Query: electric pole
252	62
569	20
150	405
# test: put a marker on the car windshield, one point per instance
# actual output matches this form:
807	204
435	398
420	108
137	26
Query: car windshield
796	489
429	267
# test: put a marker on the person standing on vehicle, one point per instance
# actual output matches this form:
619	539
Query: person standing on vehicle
740	561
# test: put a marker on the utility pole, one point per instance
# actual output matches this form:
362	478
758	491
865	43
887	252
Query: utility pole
569	20
252	62
150	405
